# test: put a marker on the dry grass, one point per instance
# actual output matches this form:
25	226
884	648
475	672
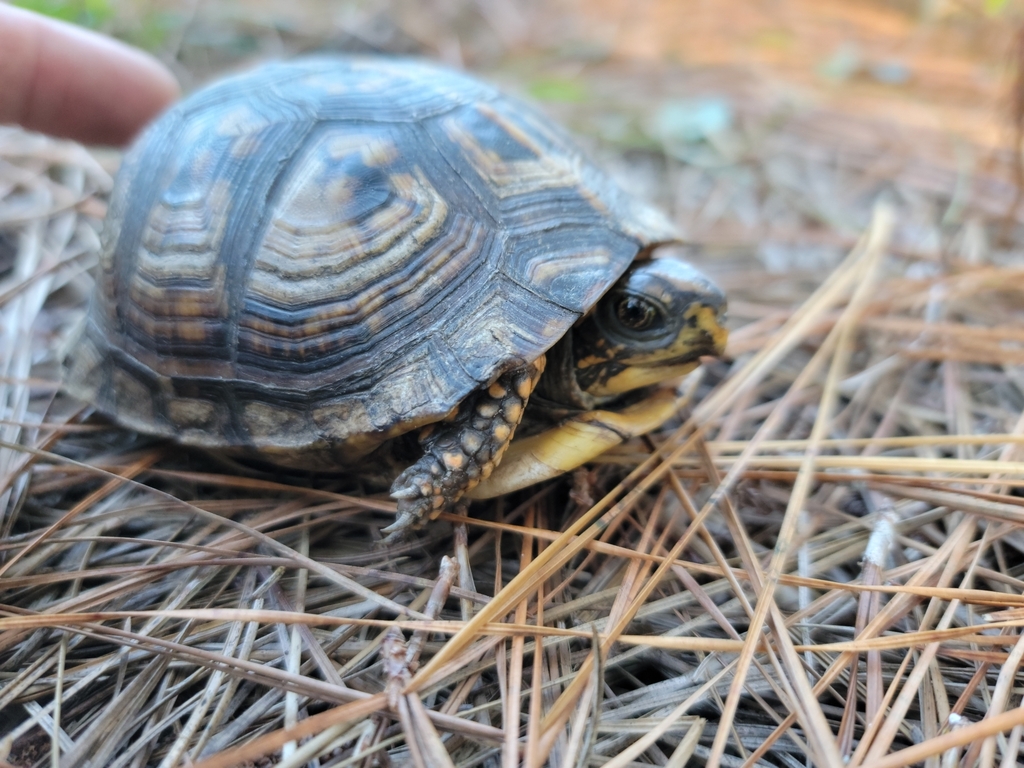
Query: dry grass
818	563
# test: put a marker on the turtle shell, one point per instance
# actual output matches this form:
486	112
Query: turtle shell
320	255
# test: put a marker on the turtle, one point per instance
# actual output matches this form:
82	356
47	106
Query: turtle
339	262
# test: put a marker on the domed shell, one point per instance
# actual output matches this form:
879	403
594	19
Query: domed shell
323	254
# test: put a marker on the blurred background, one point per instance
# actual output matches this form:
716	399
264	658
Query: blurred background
766	127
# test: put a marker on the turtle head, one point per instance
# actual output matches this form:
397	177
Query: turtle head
654	324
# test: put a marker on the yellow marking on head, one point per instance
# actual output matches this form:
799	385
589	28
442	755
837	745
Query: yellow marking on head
707	320
638	376
689	339
592	360
645	369
501	433
497	391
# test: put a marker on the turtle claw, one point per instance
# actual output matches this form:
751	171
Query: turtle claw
406	521
463	449
413	509
401	494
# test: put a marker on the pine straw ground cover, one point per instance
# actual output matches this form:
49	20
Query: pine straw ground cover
818	562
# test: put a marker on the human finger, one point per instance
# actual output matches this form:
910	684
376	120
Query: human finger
72	83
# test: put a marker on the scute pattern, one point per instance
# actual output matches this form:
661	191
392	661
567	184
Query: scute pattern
343	254
482	332
324	254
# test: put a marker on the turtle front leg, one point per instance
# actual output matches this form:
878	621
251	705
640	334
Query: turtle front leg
574	442
463	449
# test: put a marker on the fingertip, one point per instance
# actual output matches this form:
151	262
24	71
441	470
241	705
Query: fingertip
72	83
150	86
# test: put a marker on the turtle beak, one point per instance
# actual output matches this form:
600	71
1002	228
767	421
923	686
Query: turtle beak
710	317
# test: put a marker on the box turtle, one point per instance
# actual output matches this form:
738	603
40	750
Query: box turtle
368	262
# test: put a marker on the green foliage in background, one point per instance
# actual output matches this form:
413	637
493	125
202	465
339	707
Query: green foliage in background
558	89
152	31
89	13
149	29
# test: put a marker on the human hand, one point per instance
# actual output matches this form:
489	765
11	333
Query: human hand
72	83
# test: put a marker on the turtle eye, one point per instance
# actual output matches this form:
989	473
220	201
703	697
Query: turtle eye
636	314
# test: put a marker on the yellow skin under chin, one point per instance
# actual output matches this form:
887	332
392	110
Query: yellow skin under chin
639	376
574	442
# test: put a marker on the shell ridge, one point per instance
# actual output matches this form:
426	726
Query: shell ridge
240	255
485	205
135	216
386	343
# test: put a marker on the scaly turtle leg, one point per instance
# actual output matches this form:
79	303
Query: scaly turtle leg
463	449
572	443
